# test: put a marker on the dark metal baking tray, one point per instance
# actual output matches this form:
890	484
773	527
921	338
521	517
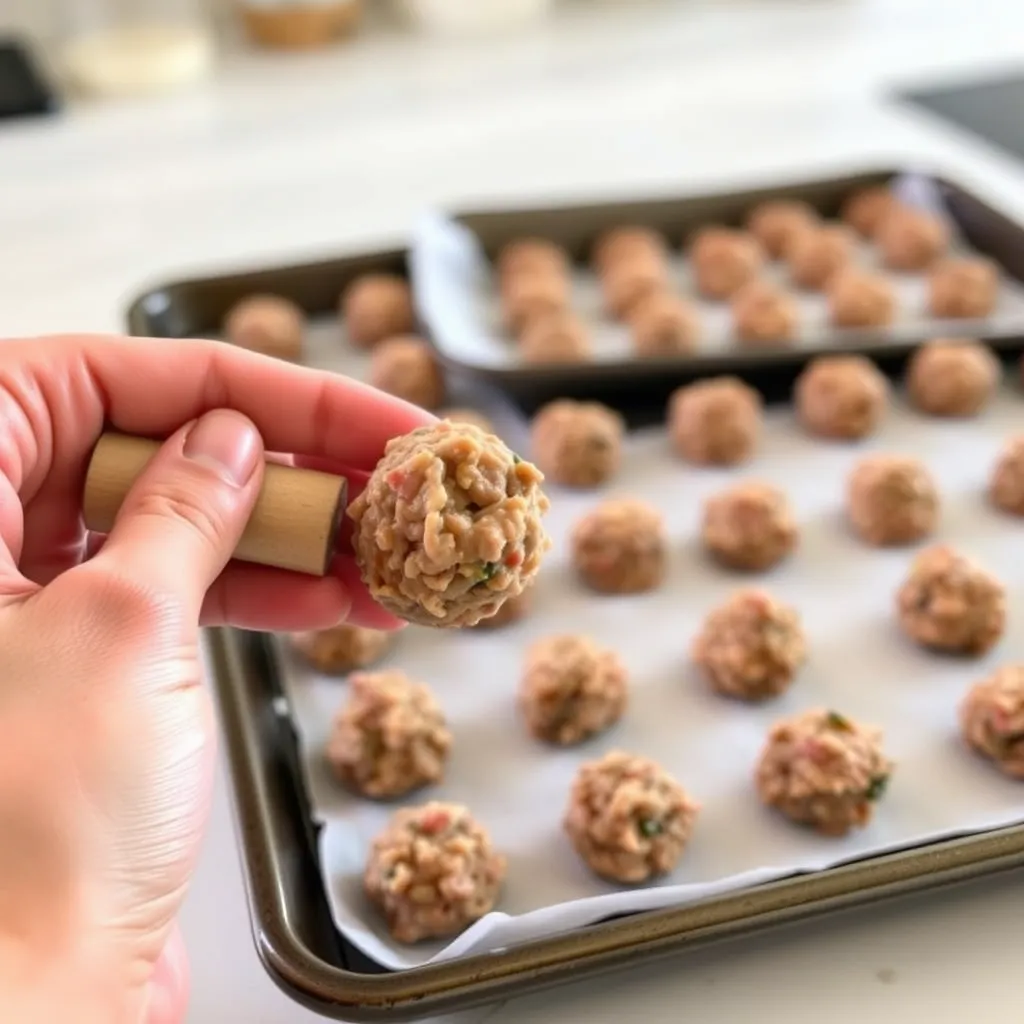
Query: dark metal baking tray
292	926
983	228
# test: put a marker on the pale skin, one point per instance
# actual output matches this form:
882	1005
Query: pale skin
106	728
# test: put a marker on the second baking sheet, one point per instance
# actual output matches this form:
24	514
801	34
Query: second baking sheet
858	664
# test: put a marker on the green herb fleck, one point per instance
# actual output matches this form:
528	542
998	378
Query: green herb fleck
650	827
834	720
877	788
516	459
489	570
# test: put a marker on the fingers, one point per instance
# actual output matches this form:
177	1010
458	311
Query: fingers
365	611
259	598
183	517
169	986
295	409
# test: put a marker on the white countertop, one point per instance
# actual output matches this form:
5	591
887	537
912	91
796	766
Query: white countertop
282	159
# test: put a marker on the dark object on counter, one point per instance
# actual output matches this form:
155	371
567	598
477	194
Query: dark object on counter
24	91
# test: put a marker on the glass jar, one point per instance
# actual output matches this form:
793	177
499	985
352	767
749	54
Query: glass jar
129	47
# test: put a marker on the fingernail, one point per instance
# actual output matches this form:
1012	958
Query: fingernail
227	443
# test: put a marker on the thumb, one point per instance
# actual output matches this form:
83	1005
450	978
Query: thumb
183	517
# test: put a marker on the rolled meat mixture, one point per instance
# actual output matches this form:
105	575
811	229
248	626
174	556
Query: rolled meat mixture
342	648
992	719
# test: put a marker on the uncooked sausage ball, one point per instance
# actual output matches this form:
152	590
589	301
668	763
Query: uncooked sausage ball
860	298
992	719
530	256
724	260
949	603
375	307
664	325
621	547
628	819
823	770
389	738
764	314
1006	487
624	244
952	378
578	444
477	419
449	525
910	239
572	689
892	500
556	338
628	283
341	648
841	397
751	647
815	255
533	295
268	324
716	422
776	222
750	526
865	210
433	872
407	368
963	288
512	611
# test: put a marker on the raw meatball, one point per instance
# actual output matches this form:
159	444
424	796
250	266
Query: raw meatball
892	500
992	719
407	368
556	338
433	872
375	307
841	397
910	239
477	419
533	296
817	254
750	526
620	245
949	603
963	288
268	324
449	525
664	325
628	819
341	648
859	298
822	769
578	444
716	421
865	210
514	609
621	547
1006	488
763	313
628	283
751	647
389	738
724	261
775	222
532	255
572	689
952	377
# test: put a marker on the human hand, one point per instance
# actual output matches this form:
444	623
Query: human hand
106	730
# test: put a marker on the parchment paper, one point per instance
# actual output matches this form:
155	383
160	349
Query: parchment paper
858	663
457	298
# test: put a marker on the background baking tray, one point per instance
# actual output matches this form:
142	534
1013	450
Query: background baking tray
443	275
292	924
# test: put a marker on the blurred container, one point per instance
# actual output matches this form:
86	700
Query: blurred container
299	24
129	47
475	17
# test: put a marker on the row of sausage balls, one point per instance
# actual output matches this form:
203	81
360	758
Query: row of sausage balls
434	870
632	266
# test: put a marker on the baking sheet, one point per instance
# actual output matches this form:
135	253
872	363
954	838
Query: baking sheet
858	663
456	296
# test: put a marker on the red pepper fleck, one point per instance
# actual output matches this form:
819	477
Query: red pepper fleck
435	822
513	559
395	479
